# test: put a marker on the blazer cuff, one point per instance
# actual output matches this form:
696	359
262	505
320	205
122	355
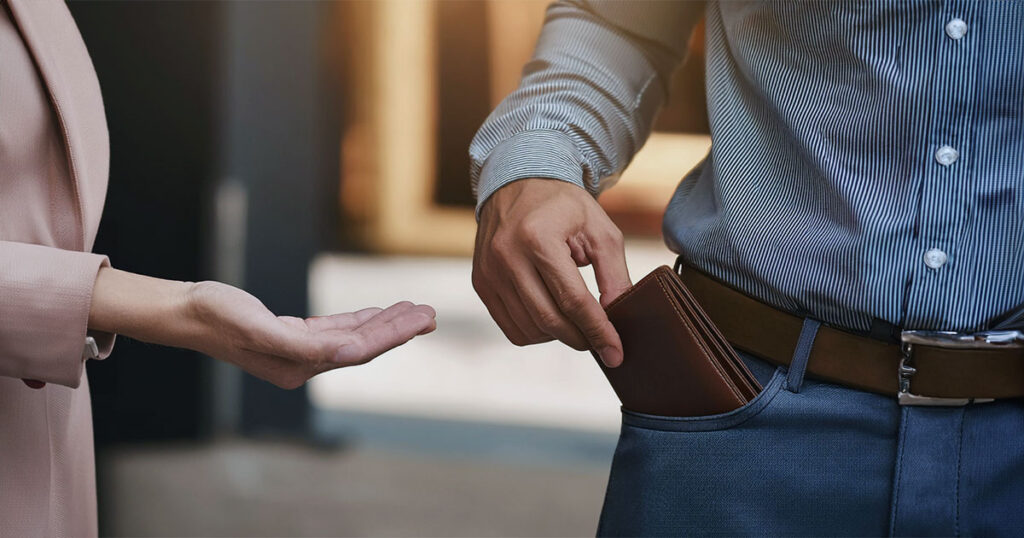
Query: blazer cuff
44	314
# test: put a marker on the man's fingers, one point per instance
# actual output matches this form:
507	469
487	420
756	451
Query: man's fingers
523	320
499	313
381	333
543	308
574	300
608	256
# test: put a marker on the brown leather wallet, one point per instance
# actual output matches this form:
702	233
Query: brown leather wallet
676	362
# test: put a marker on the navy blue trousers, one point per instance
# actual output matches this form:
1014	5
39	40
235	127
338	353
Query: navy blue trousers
808	458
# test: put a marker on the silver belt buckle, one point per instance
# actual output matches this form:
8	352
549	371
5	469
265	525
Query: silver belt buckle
948	340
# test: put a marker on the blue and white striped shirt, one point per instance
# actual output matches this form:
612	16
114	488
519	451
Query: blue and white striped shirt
867	160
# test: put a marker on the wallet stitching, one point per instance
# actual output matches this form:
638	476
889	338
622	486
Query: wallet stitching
686	323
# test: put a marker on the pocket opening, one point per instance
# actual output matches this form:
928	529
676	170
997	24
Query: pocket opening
720	421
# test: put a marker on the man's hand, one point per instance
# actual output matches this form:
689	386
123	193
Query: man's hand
532	237
231	325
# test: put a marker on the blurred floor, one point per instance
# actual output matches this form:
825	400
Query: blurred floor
274	489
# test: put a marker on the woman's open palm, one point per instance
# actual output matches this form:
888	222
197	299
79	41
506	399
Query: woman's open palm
288	351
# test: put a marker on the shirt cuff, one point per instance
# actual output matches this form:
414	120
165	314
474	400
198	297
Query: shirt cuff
530	154
104	342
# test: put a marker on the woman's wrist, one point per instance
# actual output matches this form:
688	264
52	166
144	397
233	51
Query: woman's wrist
144	308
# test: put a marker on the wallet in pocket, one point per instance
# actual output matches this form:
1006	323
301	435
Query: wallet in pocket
675	362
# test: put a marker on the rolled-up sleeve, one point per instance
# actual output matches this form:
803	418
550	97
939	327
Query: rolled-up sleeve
588	96
45	296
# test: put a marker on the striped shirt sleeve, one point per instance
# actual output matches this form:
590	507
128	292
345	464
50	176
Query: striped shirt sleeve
588	96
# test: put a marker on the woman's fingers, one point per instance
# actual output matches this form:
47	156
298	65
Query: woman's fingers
344	321
292	352
389	329
293	338
232	325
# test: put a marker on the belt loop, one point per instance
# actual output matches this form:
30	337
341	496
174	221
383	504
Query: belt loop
804	344
678	266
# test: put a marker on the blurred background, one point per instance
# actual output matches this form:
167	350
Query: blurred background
315	154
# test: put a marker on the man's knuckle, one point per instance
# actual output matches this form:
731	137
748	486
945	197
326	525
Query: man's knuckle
594	333
503	249
572	303
503	258
549	321
533	234
608	239
501	242
615	237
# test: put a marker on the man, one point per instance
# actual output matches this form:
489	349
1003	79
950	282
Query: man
866	175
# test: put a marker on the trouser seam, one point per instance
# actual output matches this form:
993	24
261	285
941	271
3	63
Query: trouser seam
899	472
959	459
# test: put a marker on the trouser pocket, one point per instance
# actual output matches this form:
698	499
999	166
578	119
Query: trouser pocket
814	462
669	472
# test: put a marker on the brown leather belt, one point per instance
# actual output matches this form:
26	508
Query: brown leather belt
938	372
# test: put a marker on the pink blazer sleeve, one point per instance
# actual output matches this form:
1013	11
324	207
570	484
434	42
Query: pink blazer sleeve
45	295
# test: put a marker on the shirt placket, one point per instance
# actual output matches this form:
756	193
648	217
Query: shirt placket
946	174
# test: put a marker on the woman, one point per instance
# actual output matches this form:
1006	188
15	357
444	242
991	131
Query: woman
60	304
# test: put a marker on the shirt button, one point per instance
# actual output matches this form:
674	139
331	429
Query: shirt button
935	258
946	155
956	28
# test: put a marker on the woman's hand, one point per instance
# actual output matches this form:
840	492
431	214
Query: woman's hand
287	351
231	325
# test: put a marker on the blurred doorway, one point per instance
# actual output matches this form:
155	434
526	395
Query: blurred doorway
420	78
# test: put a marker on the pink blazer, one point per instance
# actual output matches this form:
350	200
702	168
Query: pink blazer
54	158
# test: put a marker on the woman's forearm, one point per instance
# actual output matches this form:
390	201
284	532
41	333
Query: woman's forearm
229	324
141	307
